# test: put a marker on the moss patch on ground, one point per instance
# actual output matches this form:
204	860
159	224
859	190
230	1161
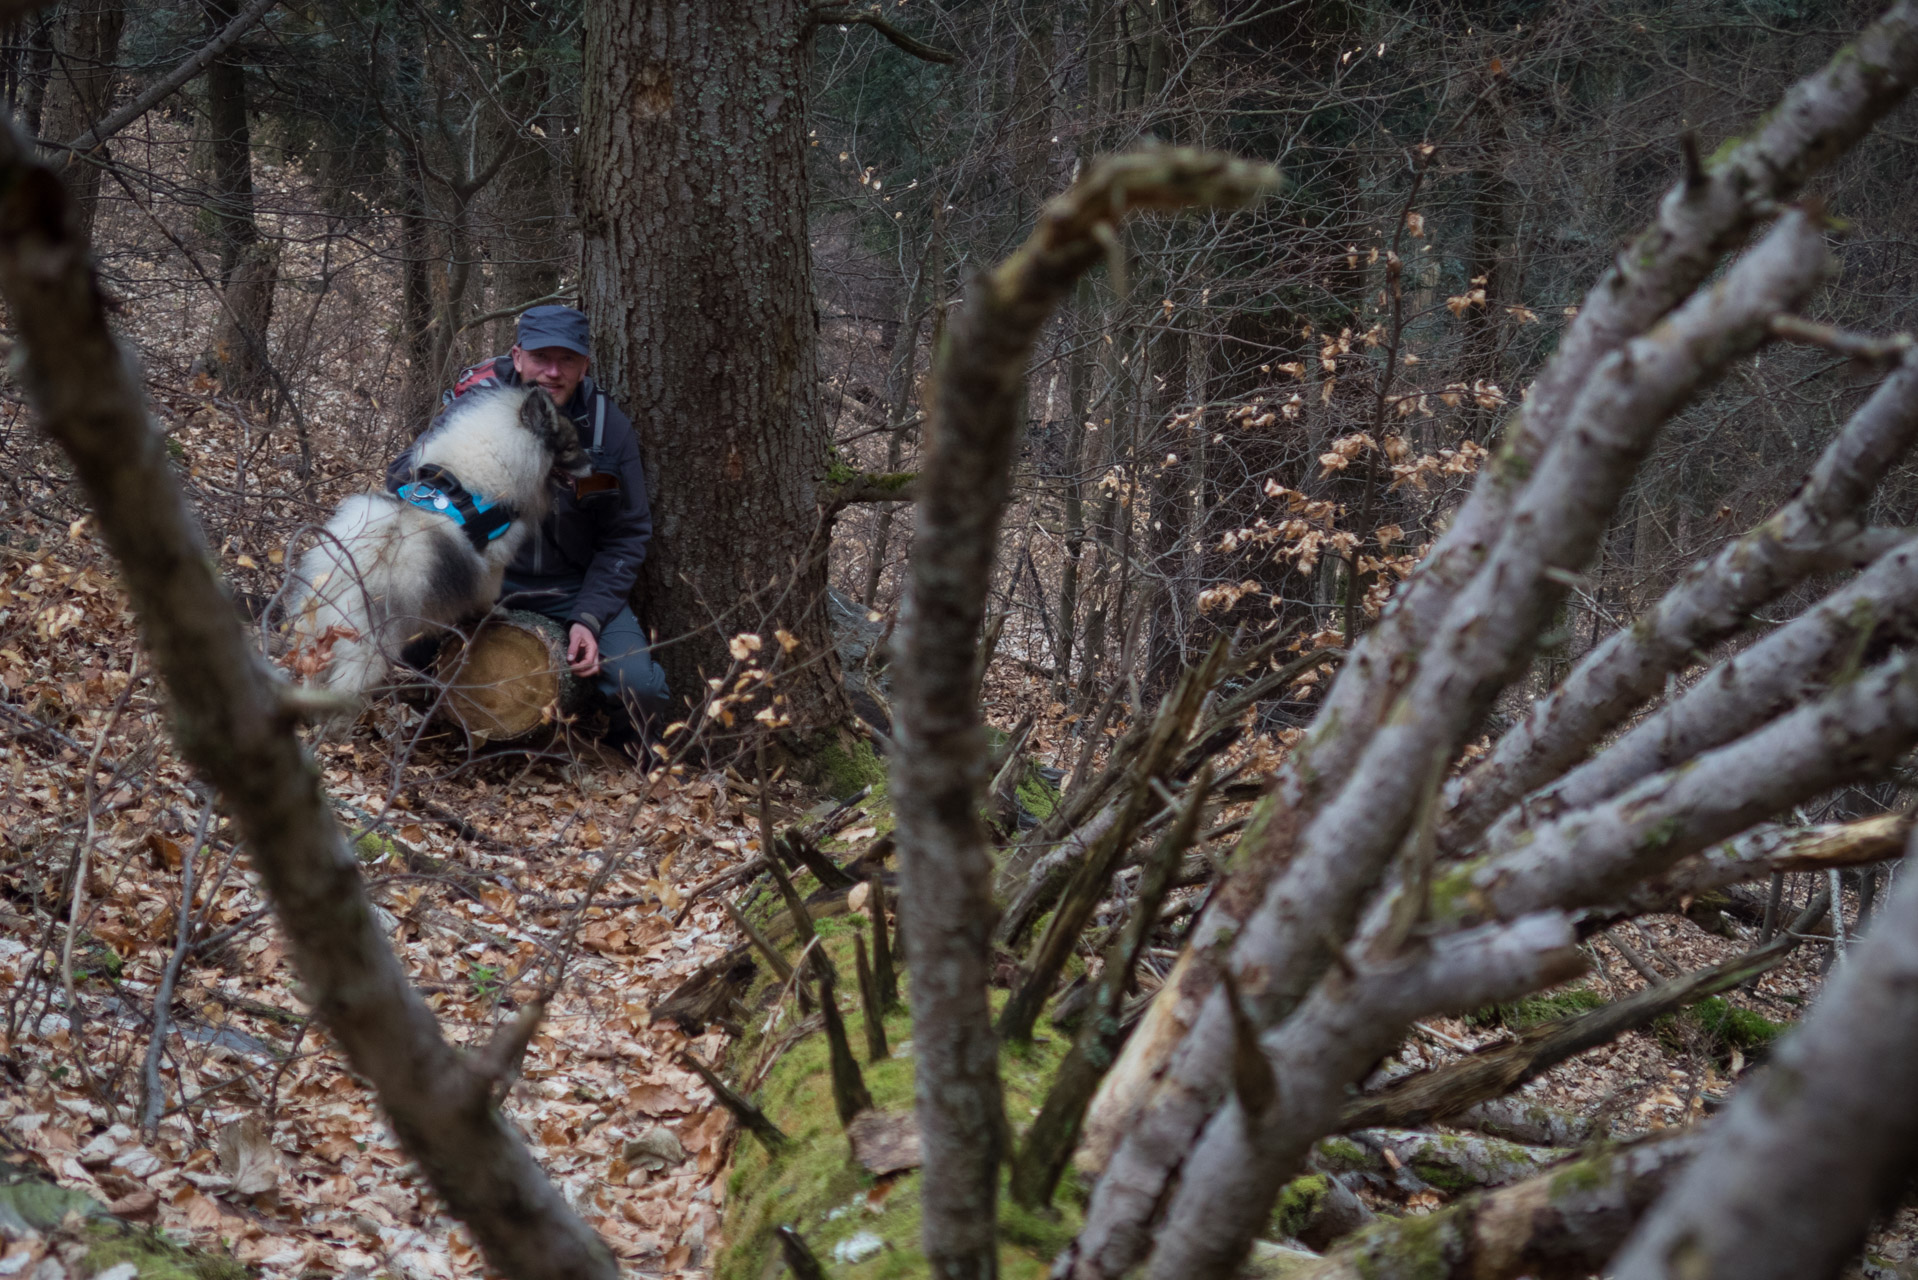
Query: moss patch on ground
1550	1006
814	1186
29	1202
843	763
1724	1025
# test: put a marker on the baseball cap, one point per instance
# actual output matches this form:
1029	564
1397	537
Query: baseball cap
554	327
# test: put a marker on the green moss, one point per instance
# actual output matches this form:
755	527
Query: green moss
1581	1176
1452	893
1533	1010
111	1243
1405	1248
1725	1026
44	1206
1037	796
374	847
1298	1201
1445	1177
844	767
813	1185
1342	1155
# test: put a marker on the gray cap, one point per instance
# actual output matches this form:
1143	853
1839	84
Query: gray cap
554	327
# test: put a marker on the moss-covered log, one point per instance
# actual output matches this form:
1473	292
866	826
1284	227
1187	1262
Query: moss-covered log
1562	1225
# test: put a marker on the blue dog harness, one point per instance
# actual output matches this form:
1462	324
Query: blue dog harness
438	490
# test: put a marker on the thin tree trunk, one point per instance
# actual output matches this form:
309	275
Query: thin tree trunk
80	89
249	265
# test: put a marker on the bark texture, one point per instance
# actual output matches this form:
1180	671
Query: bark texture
698	278
233	722
1561	1225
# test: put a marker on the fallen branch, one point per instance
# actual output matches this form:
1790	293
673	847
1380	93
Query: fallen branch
1441	1092
229	723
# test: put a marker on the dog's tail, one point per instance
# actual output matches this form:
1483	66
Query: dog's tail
330	613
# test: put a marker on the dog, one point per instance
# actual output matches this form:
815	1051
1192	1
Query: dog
389	566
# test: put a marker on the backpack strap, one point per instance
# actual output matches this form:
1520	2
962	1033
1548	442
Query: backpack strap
599	420
438	490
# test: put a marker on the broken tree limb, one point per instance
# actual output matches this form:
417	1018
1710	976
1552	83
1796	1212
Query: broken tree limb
228	721
1697	222
1442	1092
876	1048
1710	603
1595	856
849	1093
1818	1143
973	423
1231	1176
751	1118
1349	840
1446	1162
774	959
1090	879
1055	1131
1774	850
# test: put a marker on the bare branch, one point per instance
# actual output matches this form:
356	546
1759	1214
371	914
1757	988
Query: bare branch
174	80
844	15
939	765
231	725
1710	602
1347	844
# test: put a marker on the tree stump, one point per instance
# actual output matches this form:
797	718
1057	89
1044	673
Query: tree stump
510	679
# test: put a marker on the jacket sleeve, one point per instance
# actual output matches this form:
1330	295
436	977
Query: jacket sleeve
620	547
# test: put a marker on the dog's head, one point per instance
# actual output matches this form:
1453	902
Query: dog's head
555	433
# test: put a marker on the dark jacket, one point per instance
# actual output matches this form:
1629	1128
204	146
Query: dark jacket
583	559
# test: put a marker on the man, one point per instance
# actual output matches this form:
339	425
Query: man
582	560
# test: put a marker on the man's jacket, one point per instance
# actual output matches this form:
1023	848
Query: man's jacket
584	557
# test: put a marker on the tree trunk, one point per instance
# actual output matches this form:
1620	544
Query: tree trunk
699	281
249	266
80	89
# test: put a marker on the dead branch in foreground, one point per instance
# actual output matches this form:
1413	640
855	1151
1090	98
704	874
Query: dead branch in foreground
234	723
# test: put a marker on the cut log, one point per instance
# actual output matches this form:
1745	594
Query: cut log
510	680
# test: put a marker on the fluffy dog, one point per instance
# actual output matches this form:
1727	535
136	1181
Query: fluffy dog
390	566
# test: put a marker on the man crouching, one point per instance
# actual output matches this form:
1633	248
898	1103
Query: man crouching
582	559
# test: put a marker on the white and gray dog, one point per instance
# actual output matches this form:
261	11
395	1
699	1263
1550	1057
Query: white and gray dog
390	566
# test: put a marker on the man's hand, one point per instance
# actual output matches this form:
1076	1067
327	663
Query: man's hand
582	650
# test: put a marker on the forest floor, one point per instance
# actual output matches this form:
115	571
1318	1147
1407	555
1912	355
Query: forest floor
275	1153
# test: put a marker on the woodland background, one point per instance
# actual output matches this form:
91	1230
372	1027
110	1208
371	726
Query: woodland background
1250	425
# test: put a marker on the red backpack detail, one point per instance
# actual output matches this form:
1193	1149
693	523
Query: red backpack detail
483	374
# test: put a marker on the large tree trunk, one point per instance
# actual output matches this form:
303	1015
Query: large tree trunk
699	281
249	265
81	88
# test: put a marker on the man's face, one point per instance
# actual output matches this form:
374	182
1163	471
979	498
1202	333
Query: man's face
555	370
